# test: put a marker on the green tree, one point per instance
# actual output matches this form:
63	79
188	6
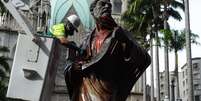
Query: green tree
2	8
4	74
137	20
142	19
178	43
169	9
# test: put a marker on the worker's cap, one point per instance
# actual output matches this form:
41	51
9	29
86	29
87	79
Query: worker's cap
75	21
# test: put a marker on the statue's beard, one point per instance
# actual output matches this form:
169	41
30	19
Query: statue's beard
106	22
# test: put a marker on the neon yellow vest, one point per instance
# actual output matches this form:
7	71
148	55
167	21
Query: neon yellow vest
58	30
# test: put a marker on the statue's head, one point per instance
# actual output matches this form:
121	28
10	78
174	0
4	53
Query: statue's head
101	8
101	11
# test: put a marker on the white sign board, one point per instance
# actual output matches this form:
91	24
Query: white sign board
29	69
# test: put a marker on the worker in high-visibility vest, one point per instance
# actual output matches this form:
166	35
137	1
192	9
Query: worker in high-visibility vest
62	30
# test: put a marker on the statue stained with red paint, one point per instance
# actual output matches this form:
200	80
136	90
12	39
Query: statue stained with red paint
111	63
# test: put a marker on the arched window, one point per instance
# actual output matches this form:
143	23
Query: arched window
116	6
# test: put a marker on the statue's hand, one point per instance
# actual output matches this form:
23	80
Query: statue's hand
76	66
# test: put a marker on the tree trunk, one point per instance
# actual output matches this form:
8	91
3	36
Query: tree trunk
167	85
152	72
144	87
157	70
177	75
155	11
188	51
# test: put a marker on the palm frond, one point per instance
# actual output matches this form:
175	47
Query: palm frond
178	41
167	36
174	14
177	4
4	64
194	38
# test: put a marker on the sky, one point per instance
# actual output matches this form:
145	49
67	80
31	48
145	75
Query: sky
195	20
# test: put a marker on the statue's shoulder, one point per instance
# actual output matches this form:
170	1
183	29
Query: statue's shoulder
122	34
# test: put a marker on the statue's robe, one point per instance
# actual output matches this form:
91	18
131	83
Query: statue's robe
110	74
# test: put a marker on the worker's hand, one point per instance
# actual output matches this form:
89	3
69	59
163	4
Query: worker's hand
64	40
37	40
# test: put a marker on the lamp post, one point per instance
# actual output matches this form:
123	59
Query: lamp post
172	89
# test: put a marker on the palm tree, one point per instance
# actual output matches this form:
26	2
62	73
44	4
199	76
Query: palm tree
137	20
152	71
142	19
145	13
157	26
178	42
4	74
169	7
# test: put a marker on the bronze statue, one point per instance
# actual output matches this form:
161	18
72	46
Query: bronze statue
110	64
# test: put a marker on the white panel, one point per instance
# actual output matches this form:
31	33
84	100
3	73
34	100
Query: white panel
20	4
32	60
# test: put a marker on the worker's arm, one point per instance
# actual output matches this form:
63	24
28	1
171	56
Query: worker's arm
69	44
63	40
